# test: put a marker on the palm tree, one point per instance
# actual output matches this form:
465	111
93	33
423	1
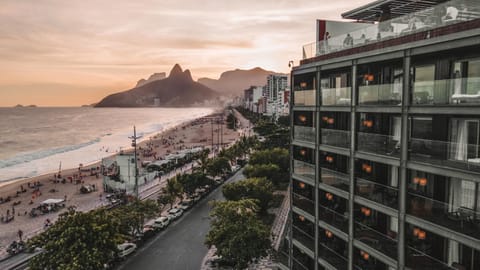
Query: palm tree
173	188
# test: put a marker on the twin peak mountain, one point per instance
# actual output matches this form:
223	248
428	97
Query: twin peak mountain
180	90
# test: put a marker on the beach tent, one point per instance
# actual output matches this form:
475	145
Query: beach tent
52	201
158	165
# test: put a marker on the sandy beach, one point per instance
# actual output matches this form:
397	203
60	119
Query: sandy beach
25	195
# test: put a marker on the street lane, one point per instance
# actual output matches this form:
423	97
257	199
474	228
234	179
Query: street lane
181	246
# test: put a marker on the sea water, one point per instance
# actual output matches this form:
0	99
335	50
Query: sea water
35	141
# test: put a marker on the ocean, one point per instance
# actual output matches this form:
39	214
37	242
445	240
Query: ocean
34	141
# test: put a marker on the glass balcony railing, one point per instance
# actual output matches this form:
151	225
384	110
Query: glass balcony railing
306	134
335	179
386	195
417	259
304	97
464	91
282	257
297	265
454	217
380	94
304	169
304	238
378	144
332	257
304	203
451	154
335	137
377	240
421	21
337	96
337	220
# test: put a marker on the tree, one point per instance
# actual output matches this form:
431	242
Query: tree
259	189
277	156
231	121
165	199
218	166
190	182
237	233
270	171
131	217
77	241
173	188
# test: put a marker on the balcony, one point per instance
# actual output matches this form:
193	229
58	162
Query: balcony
303	237
459	219
335	179
304	97
335	137
304	169
332	257
378	144
460	91
395	31
337	220
304	203
386	195
336	96
377	240
416	259
305	134
380	94
448	154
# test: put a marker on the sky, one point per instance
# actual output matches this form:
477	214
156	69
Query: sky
70	53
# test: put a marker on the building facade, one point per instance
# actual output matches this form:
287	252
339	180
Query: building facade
385	155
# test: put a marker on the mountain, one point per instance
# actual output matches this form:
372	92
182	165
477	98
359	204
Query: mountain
153	77
233	82
178	90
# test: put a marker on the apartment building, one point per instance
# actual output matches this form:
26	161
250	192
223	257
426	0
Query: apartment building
385	155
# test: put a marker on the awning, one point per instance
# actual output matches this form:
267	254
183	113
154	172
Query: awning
372	11
53	201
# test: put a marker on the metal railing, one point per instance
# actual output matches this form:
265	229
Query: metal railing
304	169
378	143
464	91
380	94
375	239
303	203
383	194
304	97
337	220
306	134
335	179
335	137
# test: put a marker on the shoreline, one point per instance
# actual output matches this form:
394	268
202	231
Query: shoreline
194	132
141	142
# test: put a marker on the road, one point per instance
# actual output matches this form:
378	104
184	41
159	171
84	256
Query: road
181	246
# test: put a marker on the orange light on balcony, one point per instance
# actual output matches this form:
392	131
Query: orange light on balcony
303	84
329	159
325	119
328	233
301	185
301	218
331	121
366	168
366	211
364	255
422	235
367	123
369	77
422	181
302	118
329	196
303	152
416	231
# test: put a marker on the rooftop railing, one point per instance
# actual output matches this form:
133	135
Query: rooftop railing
448	13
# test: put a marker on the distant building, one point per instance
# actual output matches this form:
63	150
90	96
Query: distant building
275	84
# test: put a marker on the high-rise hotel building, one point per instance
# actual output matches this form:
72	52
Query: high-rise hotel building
385	155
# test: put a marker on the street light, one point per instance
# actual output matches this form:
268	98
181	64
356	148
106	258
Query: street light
134	145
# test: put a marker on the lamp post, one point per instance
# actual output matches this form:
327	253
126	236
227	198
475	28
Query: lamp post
134	144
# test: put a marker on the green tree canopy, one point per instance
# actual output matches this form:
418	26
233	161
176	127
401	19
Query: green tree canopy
277	156
77	241
237	233
131	217
259	189
190	182
271	172
218	166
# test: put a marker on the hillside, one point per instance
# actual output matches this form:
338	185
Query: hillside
177	90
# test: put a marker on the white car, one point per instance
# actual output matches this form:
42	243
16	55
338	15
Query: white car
126	249
185	205
175	212
161	222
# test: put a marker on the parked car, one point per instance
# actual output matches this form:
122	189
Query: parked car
185	205
195	198
161	222
125	249
175	213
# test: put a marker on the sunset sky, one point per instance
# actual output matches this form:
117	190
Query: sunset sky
69	53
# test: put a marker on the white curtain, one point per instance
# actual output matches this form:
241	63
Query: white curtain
453	252
394	176
455	196
458	147
394	224
468	194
